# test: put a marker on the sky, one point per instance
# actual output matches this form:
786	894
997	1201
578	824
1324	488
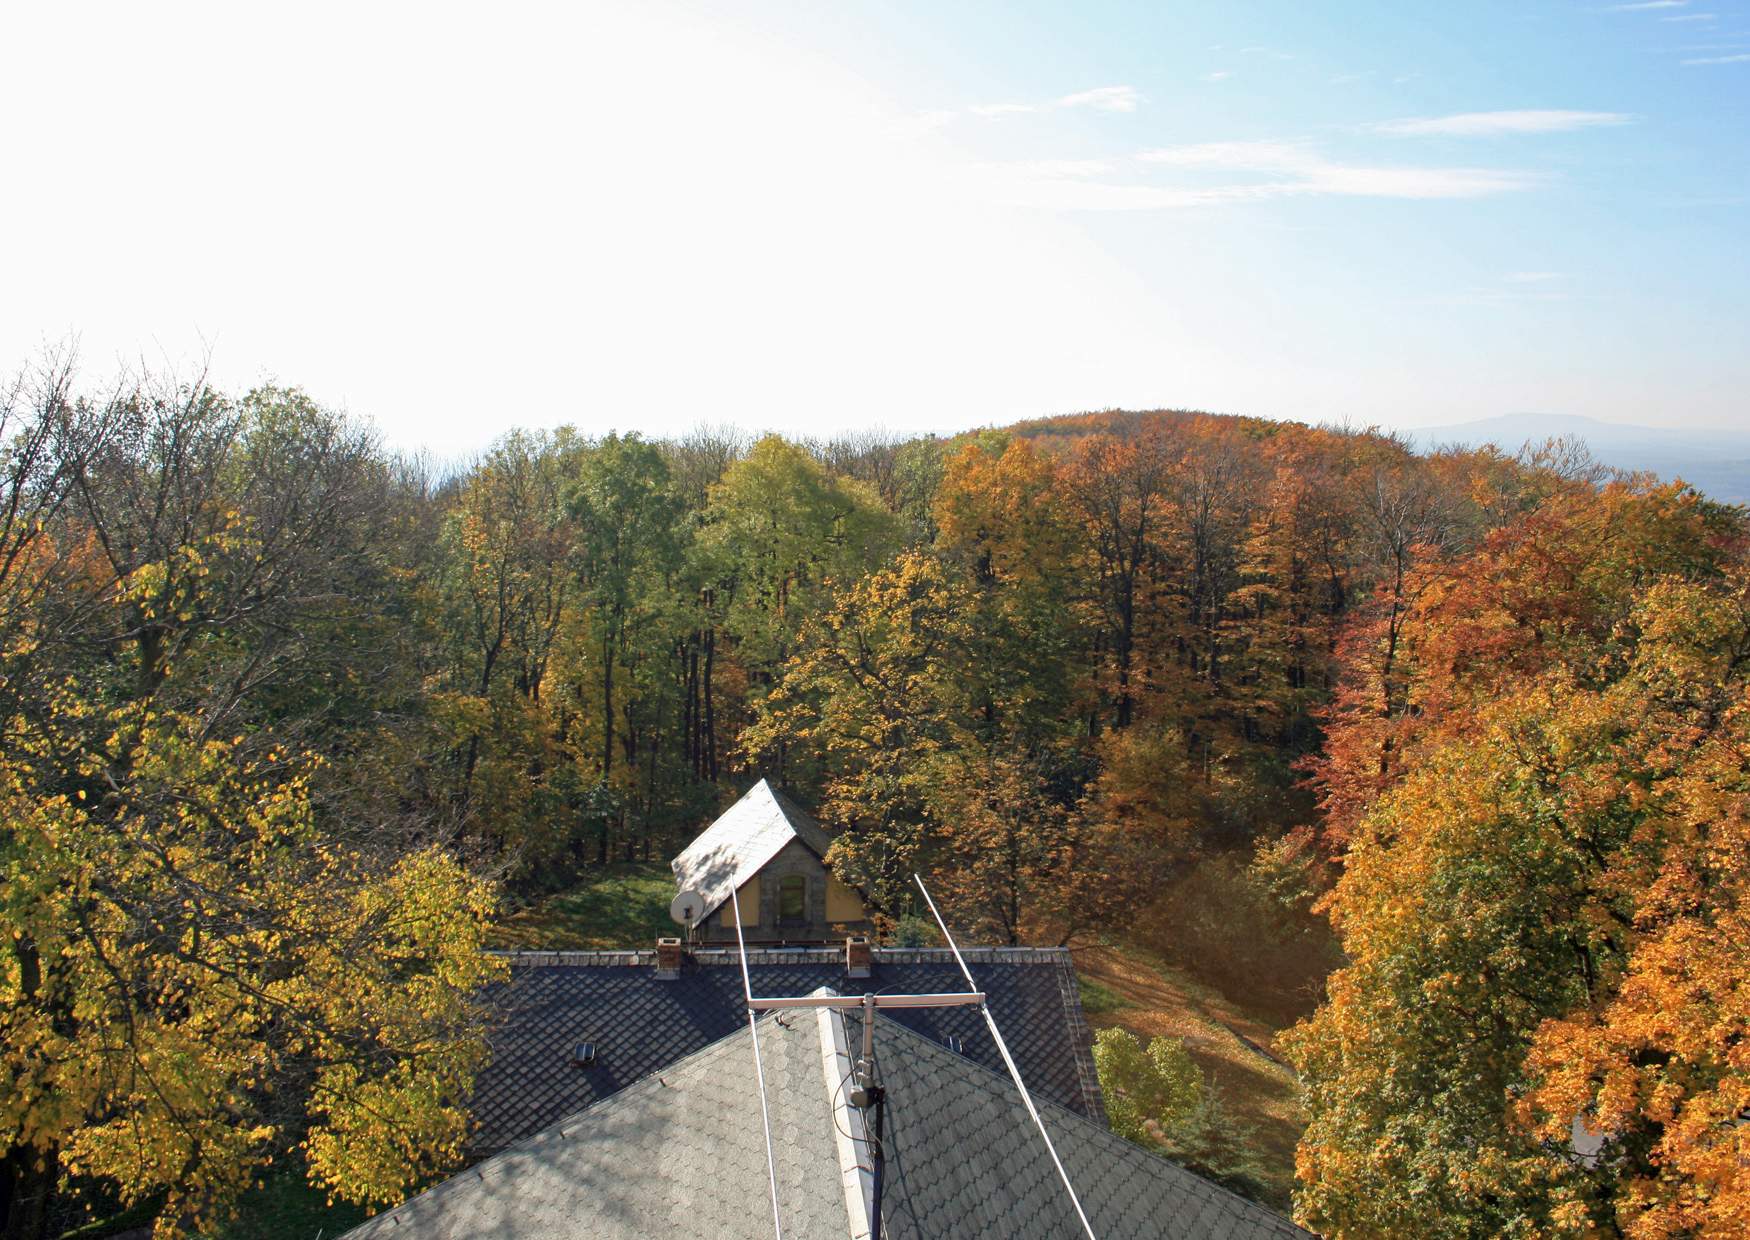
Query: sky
819	217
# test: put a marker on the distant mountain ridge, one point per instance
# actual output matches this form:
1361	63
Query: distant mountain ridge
1716	460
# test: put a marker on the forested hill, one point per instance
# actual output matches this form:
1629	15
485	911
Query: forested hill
285	718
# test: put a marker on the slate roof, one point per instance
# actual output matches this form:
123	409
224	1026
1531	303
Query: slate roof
745	836
683	1153
642	1024
965	1160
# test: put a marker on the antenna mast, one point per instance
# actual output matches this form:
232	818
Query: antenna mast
867	1093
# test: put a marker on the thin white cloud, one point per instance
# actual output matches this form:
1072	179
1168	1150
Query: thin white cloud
1532	277
933	119
1220	75
1289	169
1053	169
1740	58
1500	297
1691	17
1104	99
1100	99
1234	156
1648	4
1492	124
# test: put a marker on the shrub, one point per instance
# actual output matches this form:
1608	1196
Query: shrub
1161	1099
1147	1091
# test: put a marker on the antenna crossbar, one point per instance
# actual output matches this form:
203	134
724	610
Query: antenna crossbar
955	999
868	1003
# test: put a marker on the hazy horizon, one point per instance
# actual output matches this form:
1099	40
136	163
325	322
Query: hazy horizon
810	220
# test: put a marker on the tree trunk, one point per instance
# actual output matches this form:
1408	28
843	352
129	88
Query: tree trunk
1126	644
710	706
607	704
27	1188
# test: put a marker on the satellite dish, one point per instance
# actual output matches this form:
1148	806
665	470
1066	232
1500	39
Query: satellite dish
687	908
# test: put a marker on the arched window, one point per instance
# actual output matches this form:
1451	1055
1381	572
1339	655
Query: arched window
792	900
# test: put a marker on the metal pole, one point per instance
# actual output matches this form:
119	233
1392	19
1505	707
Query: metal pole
878	1163
955	999
759	1069
1009	1062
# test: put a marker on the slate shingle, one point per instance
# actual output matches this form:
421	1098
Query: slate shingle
641	1024
964	1159
681	1153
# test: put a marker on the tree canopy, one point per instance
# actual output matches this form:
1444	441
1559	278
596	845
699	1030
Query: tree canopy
1443	753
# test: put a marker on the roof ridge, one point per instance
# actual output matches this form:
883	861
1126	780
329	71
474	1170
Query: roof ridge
718	956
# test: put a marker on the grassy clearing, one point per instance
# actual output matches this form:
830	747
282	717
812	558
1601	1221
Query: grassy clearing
286	1207
1232	1042
1098	1000
622	905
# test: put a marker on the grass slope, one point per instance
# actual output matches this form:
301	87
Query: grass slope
1232	1042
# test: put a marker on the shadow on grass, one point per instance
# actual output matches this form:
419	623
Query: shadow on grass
287	1207
623	905
1229	1039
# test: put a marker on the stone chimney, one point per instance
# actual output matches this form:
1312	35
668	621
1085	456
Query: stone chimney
858	956
669	954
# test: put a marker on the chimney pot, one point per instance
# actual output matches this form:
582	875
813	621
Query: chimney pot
858	956
669	955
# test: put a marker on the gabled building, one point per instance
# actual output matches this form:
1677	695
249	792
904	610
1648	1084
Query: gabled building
683	1152
771	855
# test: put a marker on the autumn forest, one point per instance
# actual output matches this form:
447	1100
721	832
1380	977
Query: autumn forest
1442	755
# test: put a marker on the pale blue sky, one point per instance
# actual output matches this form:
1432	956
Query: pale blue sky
813	216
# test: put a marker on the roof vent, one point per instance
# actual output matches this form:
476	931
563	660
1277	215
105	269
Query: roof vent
583	1054
955	1044
669	954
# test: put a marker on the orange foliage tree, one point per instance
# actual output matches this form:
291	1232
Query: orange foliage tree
1533	1034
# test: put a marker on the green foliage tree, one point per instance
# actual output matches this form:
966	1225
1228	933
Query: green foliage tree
628	553
202	965
778	532
1148	1092
1158	1097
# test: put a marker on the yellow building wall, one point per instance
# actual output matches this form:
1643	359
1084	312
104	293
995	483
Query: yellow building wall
842	904
749	895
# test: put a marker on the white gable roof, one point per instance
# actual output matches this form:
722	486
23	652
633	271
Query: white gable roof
737	846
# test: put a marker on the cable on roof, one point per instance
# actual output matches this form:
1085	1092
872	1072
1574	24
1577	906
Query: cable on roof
1008	1061
758	1068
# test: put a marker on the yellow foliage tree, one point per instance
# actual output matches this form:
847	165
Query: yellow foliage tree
196	976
